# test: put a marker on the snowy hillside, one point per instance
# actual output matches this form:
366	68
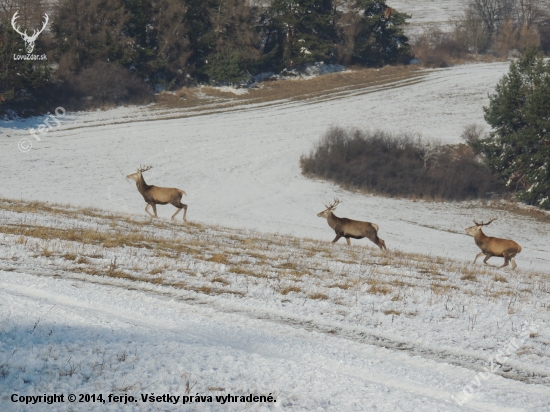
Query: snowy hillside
250	297
93	302
426	12
240	168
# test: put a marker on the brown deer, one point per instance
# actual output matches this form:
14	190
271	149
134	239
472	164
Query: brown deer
493	246
155	195
351	228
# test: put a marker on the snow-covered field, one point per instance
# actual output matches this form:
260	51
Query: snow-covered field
197	309
241	168
361	330
426	12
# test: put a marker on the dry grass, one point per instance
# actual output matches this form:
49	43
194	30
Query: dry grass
241	270
221	280
47	252
320	296
440	289
500	278
156	271
469	276
288	289
219	258
392	312
327	87
70	256
379	288
343	286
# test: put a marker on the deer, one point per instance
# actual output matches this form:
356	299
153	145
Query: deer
350	228
29	40
155	195
493	246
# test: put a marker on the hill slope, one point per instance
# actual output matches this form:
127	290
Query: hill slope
99	302
241	169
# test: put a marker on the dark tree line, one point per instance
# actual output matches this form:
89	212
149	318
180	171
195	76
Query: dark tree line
143	44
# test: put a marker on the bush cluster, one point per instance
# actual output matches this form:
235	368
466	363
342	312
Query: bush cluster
399	166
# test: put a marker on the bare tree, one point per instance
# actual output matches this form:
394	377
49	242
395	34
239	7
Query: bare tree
530	12
493	12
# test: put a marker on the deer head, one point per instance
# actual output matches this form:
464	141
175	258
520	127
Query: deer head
329	209
29	40
473	230
136	177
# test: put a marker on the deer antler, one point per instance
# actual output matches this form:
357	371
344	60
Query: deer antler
333	205
34	33
16	28
144	168
485	224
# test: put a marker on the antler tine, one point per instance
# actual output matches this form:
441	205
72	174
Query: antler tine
485	224
144	168
16	28
335	203
35	34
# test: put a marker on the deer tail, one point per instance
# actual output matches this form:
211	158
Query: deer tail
182	192
375	226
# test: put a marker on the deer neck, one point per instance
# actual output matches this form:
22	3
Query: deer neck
142	186
480	238
333	220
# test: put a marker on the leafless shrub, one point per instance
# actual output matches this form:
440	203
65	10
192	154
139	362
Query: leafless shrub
437	48
399	165
473	133
105	85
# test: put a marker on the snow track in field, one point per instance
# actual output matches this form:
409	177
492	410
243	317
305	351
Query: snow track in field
171	337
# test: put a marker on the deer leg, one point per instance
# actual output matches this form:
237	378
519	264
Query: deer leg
478	255
506	260
155	210
337	238
377	241
184	212
147	210
347	240
487	257
509	256
177	211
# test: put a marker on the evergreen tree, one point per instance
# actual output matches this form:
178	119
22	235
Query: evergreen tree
519	114
201	36
380	38
86	32
237	41
301	31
